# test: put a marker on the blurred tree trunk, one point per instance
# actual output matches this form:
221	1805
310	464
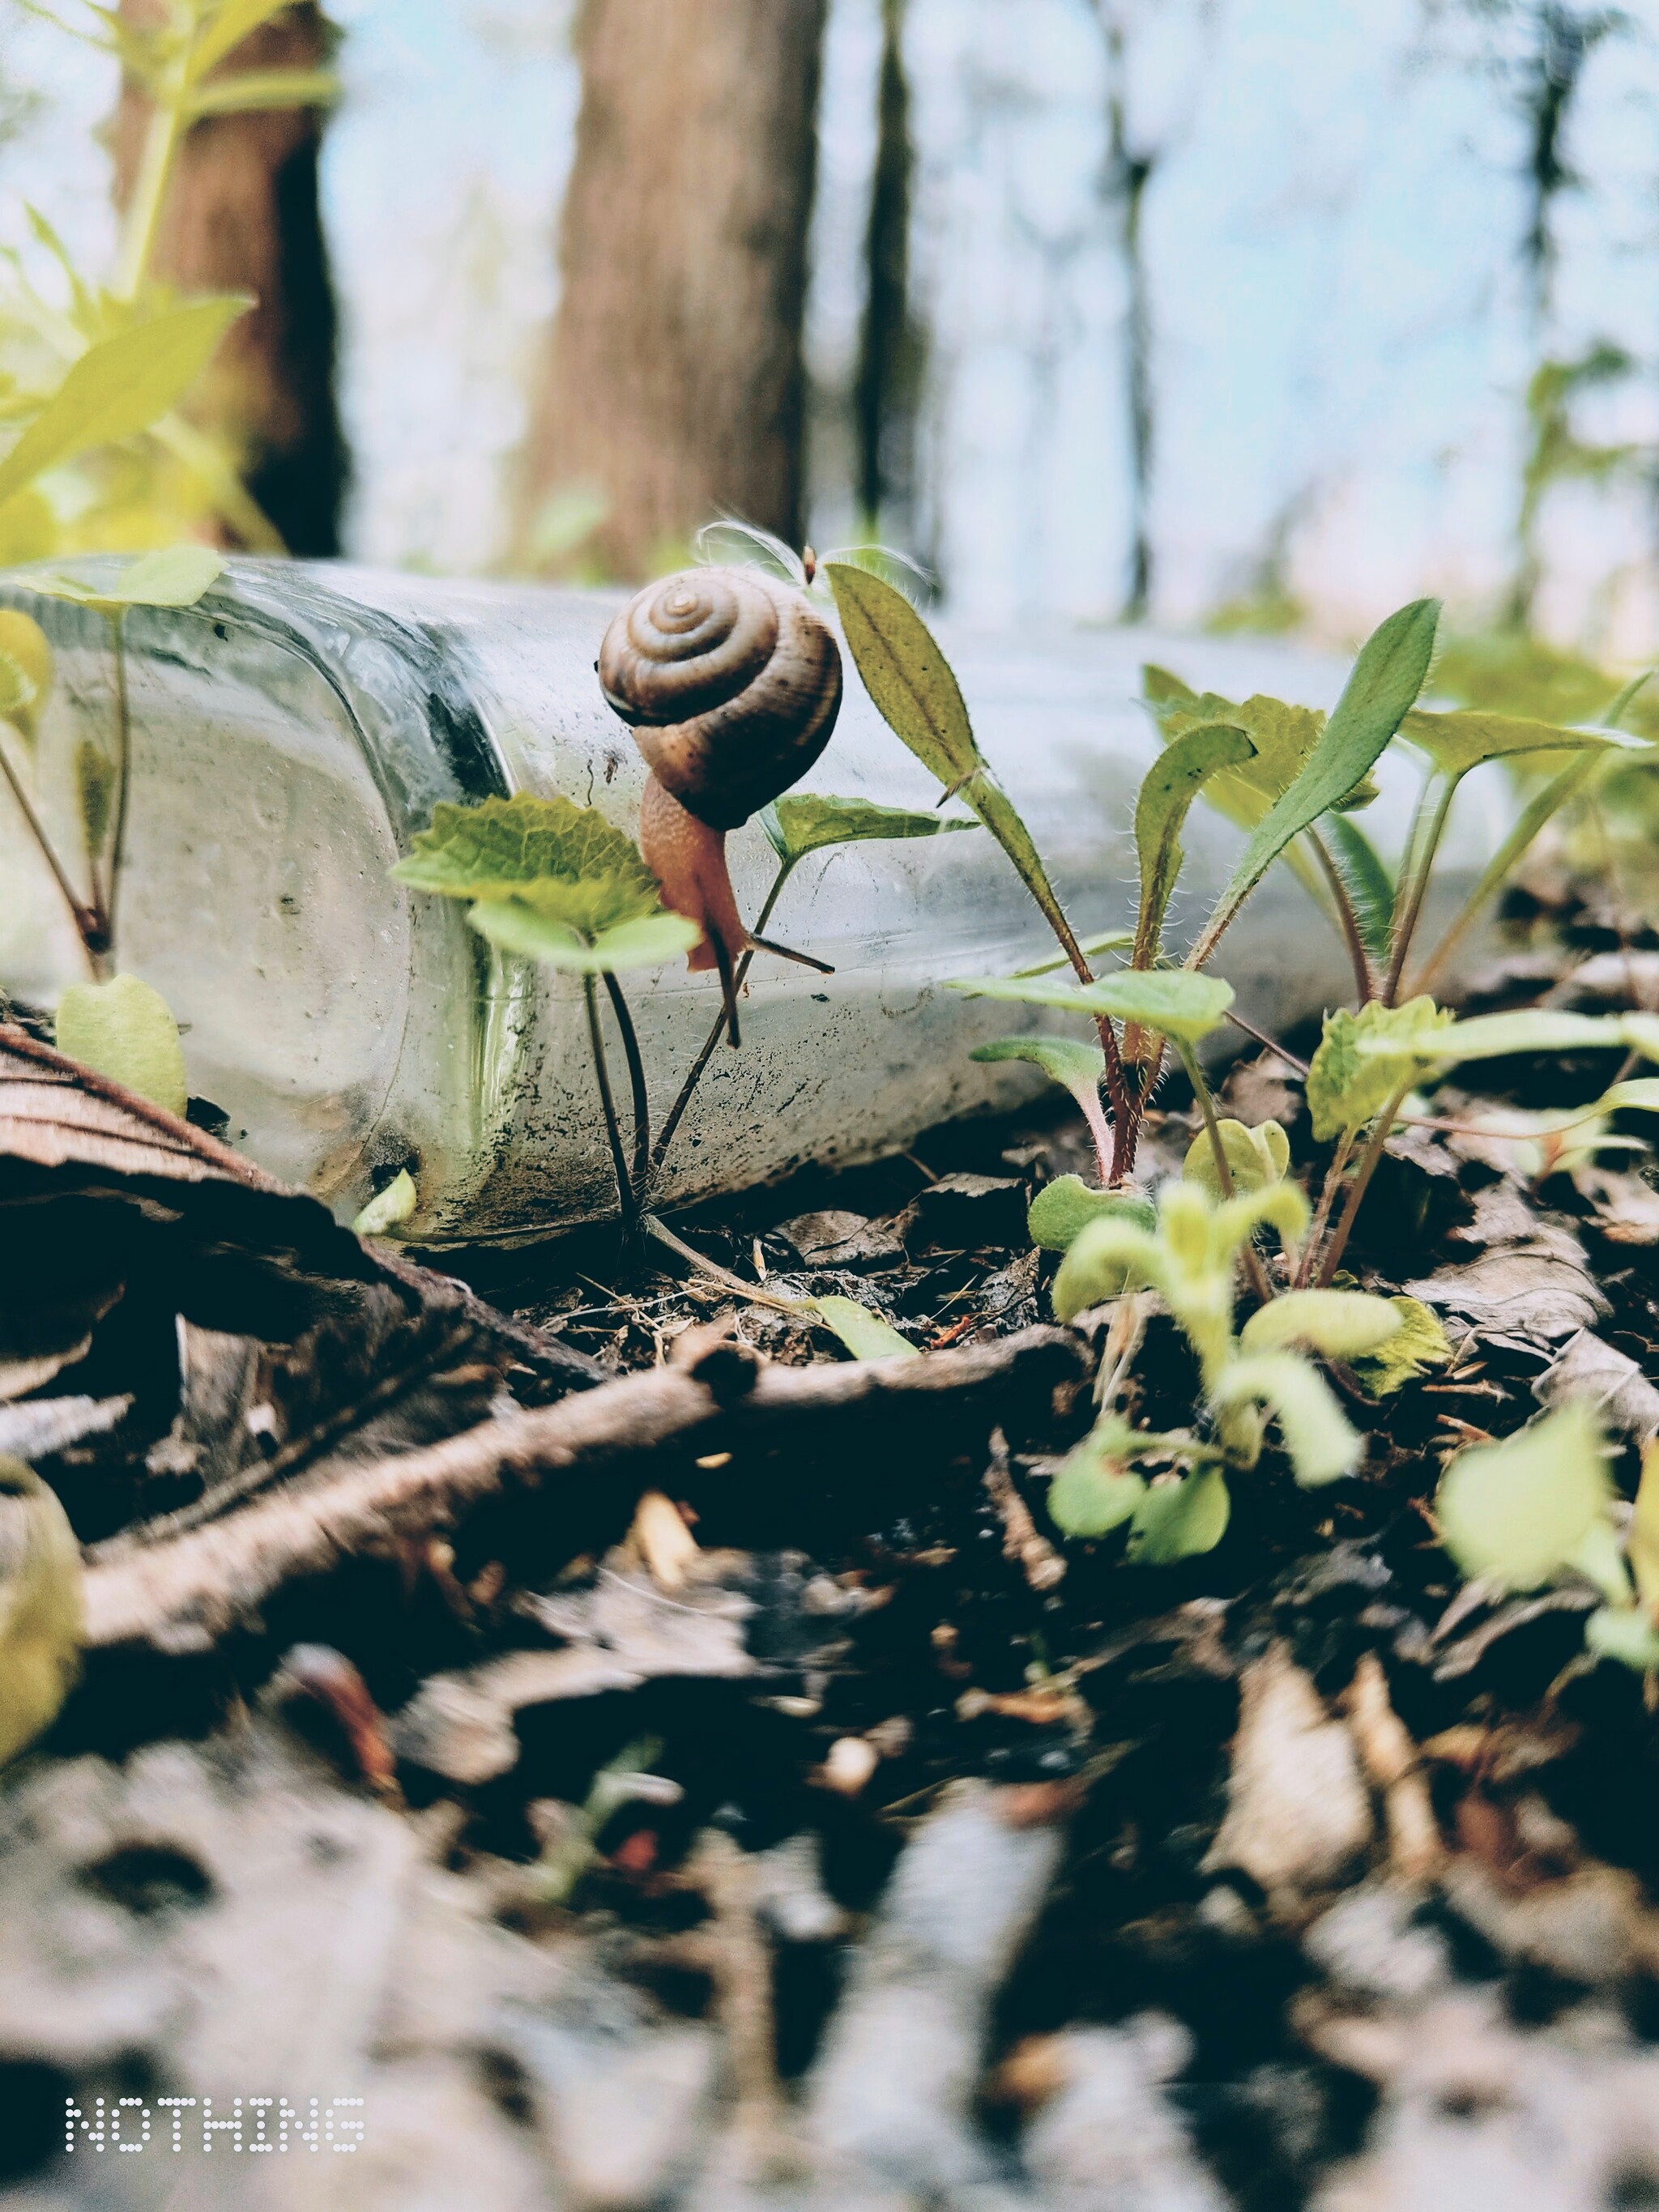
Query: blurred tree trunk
242	215
673	387
887	384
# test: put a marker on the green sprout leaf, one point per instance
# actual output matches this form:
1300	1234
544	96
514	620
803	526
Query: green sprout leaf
1363	1058
95	790
389	1208
1063	1208
1383	687
1255	1158
803	821
1456	743
1282	737
1516	1513
175	576
1320	1442
17	694
1172	1001
1625	1633
1107	1256
1419	1344
864	1333
1094	1491
1370	886
1338	1324
1167	790
125	1030
519	928
121	386
565	862
1495	1037
1179	1520
25	672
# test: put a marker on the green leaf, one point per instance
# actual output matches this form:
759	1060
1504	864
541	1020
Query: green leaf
1110	940
1093	1491
125	1029
806	822
1255	1158
565	861
252	89
646	943
1075	1067
1179	1520
1641	1033
1366	880
1063	1208
1625	1633
1515	1512
1167	790
1495	1037
1420	1345
176	576
1173	1000
1363	1058
1338	1324
390	1207
94	791
865	1334
1383	685
1320	1442
121	386
17	694
1282	736
1107	1256
1458	741
25	672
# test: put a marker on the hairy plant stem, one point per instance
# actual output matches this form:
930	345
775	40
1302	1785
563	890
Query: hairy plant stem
1369	1158
625	1197
641	1097
88	926
676	1113
1426	832
1332	1184
1346	918
1252	1258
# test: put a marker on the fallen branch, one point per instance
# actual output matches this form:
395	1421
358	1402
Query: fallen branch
184	1593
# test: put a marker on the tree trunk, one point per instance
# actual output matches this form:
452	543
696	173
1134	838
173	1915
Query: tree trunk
242	215
674	385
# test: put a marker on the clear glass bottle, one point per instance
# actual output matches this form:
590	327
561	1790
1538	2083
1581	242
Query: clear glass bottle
292	731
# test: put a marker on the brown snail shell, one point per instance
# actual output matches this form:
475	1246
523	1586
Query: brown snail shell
732	681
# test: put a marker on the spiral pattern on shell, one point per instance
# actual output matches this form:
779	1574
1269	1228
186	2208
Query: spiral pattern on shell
732	683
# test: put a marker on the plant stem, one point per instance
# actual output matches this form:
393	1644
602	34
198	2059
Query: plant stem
755	1293
86	920
630	1043
1272	1043
1253	1267
1432	812
1332	1184
1346	916
676	1112
1369	1160
625	1198
142	220
123	770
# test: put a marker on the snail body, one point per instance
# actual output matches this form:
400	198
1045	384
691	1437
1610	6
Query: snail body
730	683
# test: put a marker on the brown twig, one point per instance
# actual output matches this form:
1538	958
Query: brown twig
1023	1545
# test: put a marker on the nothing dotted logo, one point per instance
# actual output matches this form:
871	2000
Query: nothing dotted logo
255	2123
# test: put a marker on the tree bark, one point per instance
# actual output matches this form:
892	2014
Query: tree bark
242	215
674	385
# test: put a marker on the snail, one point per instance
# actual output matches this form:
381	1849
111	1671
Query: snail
732	684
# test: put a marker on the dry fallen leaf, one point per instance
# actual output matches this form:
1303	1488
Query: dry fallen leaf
1298	1813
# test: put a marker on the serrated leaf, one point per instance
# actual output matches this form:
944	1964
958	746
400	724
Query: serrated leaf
1370	886
803	821
125	1030
1337	1324
390	1207
1282	736
174	576
1172	1001
1363	1059
1458	741
650	942
1094	1491
1179	1520
1167	790
564	861
1419	1344
1320	1442
864	1333
1515	1512
121	386
1062	1209
1256	1157
1495	1037
95	793
1385	683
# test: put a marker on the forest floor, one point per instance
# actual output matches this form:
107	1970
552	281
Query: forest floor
654	1761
